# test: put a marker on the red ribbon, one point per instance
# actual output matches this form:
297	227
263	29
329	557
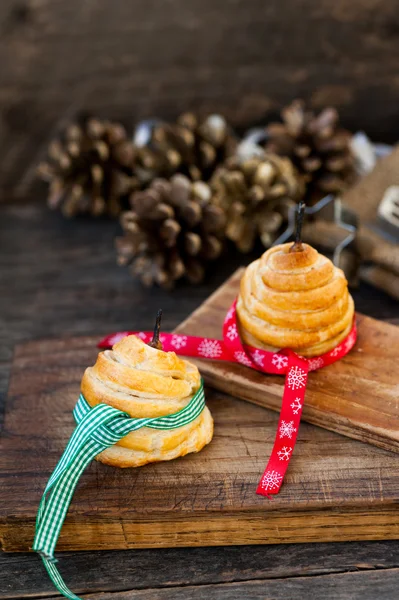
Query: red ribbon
285	362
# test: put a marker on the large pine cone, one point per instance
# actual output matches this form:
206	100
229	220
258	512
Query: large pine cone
90	169
256	195
317	145
172	231
190	146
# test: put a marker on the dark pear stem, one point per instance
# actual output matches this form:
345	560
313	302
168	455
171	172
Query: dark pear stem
155	342
297	245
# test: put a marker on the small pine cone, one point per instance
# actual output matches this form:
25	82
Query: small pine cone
256	196
190	146
90	169
318	147
172	231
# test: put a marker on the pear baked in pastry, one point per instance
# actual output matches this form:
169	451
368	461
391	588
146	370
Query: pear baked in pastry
144	381
294	299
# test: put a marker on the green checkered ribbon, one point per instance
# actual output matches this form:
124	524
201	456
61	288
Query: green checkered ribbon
97	428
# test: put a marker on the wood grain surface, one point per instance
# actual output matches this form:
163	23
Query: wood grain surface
59	278
132	60
354	586
174	569
356	396
336	489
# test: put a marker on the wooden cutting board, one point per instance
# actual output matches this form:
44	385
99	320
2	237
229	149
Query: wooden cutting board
357	396
335	488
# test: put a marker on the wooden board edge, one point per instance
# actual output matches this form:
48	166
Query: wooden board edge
278	527
213	296
310	414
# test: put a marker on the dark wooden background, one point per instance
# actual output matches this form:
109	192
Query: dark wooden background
133	59
137	58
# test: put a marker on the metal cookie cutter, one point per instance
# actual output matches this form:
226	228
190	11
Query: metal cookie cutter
329	209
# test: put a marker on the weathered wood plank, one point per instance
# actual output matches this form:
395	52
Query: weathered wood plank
22	574
348	586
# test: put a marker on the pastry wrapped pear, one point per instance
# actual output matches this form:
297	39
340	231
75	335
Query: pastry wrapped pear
294	298
146	382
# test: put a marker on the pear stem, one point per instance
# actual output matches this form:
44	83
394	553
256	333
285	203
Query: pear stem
155	342
297	245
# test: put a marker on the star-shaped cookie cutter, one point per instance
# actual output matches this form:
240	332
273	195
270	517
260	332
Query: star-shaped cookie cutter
330	209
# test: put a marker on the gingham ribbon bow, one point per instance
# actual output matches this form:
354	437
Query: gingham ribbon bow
97	428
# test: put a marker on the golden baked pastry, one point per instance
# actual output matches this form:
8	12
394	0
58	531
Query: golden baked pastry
294	299
146	382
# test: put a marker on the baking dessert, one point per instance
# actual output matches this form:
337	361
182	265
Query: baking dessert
293	297
146	382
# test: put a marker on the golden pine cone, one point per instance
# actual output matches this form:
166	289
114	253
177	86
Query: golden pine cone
172	231
191	146
256	195
90	169
317	145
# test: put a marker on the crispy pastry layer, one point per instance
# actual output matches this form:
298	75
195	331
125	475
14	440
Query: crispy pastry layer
295	300
146	382
166	445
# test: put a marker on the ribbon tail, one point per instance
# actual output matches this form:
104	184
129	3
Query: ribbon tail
288	426
51	519
57	580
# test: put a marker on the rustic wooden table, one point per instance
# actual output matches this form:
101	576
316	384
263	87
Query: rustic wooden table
59	278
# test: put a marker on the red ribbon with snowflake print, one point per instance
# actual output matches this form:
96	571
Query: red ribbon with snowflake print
286	362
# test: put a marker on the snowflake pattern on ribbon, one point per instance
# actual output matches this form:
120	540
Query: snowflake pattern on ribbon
287	429
232	332
279	361
210	348
178	341
315	363
349	342
296	406
296	378
271	480
284	453
336	351
258	358
242	358
142	335
230	313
